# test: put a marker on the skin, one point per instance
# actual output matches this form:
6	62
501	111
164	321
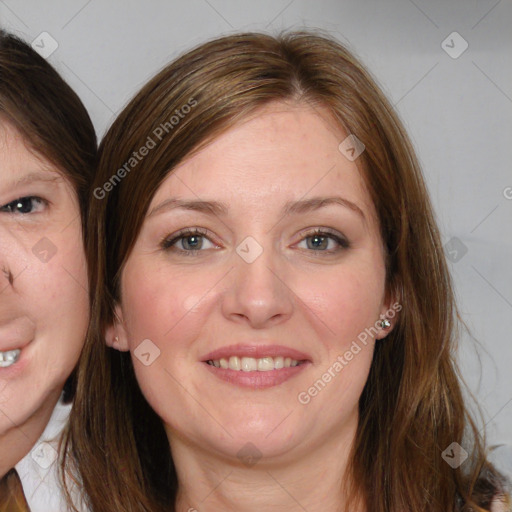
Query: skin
191	304
43	305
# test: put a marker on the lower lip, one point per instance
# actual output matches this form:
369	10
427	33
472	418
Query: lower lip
255	379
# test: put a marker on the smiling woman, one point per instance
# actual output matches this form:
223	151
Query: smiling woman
278	239
47	157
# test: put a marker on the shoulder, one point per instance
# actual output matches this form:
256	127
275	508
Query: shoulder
39	469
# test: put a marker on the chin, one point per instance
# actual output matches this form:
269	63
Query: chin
267	438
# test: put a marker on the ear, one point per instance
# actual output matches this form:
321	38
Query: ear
390	312
115	334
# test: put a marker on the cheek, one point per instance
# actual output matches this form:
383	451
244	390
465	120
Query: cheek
346	305
57	275
62	291
344	302
55	298
161	305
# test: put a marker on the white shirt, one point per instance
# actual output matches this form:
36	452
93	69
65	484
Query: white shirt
39	469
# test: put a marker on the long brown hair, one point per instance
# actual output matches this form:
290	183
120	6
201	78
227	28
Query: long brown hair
48	114
411	408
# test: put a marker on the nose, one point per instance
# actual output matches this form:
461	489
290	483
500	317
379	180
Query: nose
258	294
6	271
9	259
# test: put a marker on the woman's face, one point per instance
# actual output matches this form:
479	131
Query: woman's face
258	252
43	283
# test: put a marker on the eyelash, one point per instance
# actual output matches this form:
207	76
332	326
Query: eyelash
10	207
167	244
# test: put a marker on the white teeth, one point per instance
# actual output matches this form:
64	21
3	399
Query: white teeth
265	364
251	364
9	357
234	363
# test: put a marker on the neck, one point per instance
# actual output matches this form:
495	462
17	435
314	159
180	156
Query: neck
19	439
311	481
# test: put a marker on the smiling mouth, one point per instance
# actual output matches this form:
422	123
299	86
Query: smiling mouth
9	357
251	364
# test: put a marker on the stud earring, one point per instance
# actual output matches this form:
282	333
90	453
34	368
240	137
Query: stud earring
385	323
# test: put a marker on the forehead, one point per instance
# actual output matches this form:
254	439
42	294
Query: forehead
9	135
13	146
282	153
19	161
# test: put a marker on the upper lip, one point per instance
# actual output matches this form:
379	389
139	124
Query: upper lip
256	351
16	333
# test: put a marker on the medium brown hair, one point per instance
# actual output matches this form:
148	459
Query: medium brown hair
53	122
411	408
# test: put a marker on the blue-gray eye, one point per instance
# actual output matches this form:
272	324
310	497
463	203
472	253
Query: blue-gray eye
188	241
320	241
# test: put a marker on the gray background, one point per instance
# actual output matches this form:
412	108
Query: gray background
458	112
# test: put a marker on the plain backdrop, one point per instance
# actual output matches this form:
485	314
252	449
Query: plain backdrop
445	65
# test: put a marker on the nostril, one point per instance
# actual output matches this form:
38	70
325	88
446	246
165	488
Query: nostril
8	274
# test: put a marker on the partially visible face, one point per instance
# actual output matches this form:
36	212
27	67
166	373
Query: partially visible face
287	271
43	283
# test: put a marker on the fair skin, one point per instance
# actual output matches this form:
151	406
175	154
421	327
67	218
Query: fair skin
43	297
302	293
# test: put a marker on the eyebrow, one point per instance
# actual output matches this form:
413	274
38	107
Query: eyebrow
290	208
32	177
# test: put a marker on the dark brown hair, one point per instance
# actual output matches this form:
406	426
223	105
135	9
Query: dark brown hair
412	406
47	113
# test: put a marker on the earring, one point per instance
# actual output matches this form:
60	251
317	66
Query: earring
385	323
116	339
